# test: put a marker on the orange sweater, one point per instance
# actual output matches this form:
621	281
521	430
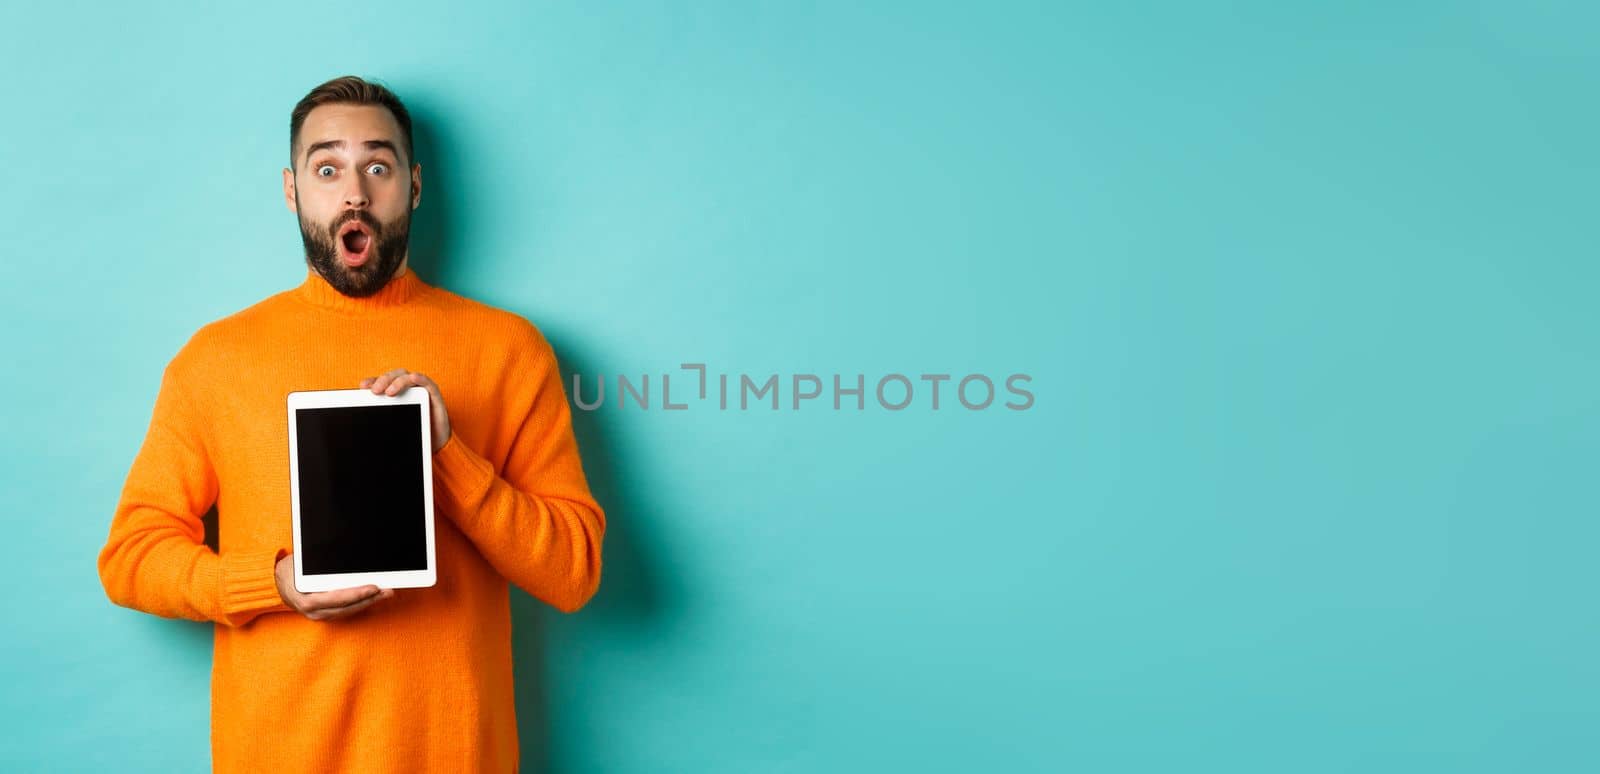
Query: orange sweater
418	683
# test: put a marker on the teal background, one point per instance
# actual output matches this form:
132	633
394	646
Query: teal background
1307	292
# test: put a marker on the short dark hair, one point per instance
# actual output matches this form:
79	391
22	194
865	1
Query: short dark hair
350	90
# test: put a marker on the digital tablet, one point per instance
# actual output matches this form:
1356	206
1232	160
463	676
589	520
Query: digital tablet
361	484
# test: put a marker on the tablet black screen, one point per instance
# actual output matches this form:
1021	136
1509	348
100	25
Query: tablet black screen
361	507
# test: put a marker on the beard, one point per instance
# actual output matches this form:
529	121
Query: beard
388	251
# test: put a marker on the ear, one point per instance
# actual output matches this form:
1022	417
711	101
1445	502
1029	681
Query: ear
288	191
416	185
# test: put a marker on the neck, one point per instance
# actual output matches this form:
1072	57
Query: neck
401	289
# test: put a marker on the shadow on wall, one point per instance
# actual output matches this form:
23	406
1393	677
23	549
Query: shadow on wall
632	598
433	242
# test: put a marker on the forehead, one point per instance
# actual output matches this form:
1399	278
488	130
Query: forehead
355	124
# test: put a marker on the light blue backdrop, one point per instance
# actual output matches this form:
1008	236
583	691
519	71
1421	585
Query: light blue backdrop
1307	292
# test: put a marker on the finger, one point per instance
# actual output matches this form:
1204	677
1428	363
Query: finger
428	384
374	599
372	382
321	600
326	614
406	381
383	383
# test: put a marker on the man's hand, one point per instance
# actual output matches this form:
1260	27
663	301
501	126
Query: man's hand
325	605
393	381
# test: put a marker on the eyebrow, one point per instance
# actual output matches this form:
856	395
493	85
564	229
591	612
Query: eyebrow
369	144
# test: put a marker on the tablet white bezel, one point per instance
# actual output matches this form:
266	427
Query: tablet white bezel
307	399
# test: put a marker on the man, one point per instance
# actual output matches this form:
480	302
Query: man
360	679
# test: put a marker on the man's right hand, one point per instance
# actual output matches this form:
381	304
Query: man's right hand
325	605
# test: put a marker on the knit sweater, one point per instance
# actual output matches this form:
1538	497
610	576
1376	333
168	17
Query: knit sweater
421	682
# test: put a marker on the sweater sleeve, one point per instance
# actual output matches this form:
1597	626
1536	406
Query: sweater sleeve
535	522
155	559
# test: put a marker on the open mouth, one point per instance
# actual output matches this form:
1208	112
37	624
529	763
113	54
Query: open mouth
355	243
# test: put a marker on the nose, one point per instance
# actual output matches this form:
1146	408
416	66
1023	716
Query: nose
356	195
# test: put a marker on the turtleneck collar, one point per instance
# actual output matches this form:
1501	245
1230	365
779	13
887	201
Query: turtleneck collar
397	292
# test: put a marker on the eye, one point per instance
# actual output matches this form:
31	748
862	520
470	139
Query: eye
324	166
382	168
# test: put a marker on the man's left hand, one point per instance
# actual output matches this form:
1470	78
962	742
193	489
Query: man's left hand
394	381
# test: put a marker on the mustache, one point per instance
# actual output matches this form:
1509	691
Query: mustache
361	215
